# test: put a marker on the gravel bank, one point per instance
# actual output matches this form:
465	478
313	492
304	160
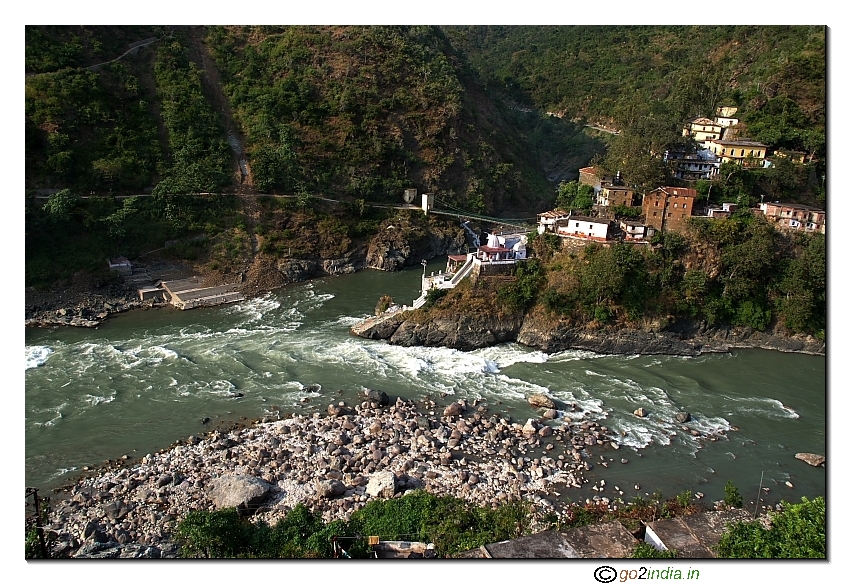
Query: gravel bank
326	461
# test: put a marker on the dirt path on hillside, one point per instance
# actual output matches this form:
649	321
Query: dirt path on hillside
243	179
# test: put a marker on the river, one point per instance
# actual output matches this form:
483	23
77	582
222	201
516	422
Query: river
148	378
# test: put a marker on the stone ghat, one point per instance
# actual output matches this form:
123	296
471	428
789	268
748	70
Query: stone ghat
334	464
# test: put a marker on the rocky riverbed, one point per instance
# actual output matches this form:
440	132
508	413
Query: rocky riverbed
334	463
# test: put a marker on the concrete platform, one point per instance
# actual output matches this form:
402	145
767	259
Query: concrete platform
189	293
693	536
607	540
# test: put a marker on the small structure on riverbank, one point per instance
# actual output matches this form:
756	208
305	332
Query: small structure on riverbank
189	293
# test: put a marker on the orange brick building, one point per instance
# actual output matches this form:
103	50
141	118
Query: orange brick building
667	207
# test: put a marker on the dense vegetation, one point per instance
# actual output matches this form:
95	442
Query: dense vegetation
448	522
739	271
647	81
369	111
455	526
798	532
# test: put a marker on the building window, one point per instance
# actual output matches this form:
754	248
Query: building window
656	203
654	214
669	215
590	227
684	206
675	206
733	152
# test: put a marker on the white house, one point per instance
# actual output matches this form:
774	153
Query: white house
584	227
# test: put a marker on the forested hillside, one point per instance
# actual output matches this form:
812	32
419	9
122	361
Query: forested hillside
774	74
360	113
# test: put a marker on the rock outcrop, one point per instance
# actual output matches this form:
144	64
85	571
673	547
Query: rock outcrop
539	330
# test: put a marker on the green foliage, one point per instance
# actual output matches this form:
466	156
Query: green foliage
201	156
217	534
574	196
732	497
434	296
798	531
450	523
647	551
520	294
60	205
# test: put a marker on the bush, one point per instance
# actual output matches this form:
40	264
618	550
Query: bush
732	497
647	551
798	532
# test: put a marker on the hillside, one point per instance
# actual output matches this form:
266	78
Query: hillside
774	74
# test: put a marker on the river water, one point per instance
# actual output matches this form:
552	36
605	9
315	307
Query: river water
147	378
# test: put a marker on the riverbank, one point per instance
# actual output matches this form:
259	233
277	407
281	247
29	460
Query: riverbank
334	464
470	331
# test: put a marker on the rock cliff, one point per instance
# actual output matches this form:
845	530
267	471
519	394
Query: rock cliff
468	332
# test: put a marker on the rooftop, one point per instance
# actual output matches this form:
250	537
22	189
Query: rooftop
589	219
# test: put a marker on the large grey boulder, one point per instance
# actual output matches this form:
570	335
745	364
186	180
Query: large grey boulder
683	417
382	485
329	488
238	491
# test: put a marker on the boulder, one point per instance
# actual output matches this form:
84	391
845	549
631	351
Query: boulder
640	412
812	459
550	414
683	417
235	491
545	431
330	488
529	429
335	410
382	485
452	410
376	396
542	401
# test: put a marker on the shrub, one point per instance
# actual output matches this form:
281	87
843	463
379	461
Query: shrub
647	551
732	497
799	531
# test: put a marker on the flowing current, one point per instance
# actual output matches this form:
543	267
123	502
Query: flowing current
148	378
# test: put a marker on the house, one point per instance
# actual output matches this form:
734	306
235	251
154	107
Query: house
739	152
796	157
591	176
666	208
635	231
611	195
700	165
721	212
795	217
702	129
585	228
549	220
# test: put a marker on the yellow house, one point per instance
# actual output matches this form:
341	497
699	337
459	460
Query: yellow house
703	129
738	152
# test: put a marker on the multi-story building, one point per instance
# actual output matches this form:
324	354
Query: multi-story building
610	195
739	152
702	130
666	208
795	217
700	165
